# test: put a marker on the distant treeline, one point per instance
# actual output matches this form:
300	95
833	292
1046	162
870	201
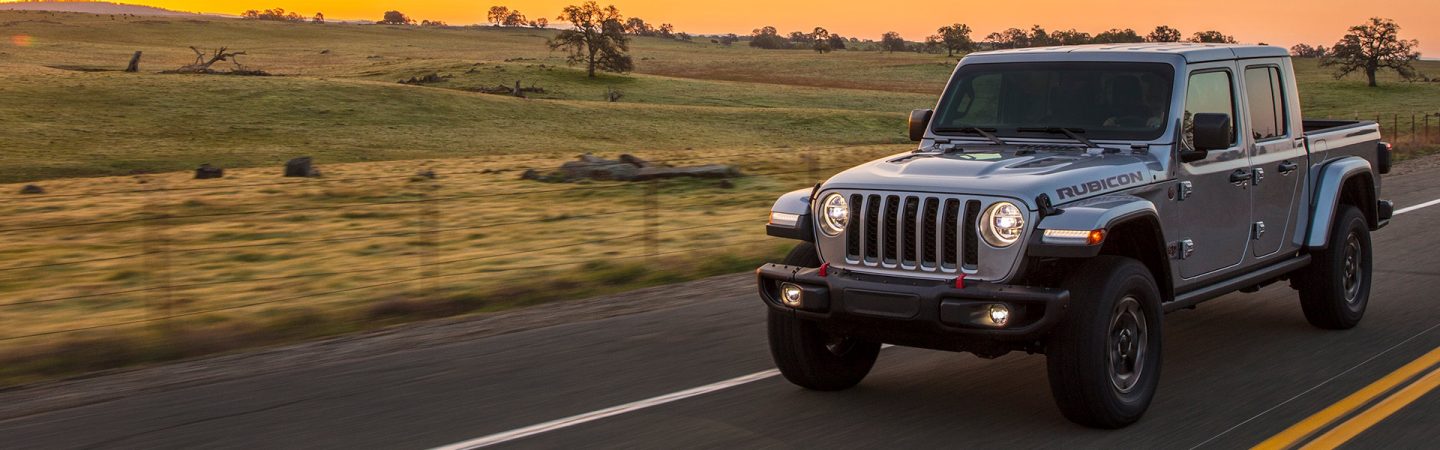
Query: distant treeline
956	38
281	15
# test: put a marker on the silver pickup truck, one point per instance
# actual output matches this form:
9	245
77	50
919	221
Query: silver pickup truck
1061	201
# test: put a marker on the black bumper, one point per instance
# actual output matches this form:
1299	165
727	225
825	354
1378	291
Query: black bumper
905	311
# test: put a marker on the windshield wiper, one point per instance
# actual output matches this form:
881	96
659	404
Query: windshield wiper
975	130
1072	133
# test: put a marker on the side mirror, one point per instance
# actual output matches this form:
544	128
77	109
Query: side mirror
1210	131
919	121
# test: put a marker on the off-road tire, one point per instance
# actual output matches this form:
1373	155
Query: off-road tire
810	357
1335	288
1110	296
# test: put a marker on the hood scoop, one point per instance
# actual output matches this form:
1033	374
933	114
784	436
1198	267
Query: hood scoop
1048	161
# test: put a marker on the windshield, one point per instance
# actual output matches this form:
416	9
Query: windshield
1114	101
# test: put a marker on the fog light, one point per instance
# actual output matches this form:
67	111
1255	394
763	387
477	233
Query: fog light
790	295
999	315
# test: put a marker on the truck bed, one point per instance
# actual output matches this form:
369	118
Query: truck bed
1328	140
1319	126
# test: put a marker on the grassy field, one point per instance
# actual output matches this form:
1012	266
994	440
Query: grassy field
337	96
254	258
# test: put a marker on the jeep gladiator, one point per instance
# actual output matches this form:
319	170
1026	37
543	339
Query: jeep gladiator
1061	201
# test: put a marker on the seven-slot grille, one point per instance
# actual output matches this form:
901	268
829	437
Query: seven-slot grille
913	232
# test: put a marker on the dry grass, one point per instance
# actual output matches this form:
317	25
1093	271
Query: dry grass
369	244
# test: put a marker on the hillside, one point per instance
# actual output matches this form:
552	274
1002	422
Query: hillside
336	95
89	7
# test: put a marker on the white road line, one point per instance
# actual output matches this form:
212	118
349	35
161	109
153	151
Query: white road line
500	438
520	433
1419	206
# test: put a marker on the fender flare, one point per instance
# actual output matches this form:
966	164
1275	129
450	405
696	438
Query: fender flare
1329	186
1103	212
796	203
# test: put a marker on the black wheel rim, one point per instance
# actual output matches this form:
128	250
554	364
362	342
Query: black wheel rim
1353	272
1127	344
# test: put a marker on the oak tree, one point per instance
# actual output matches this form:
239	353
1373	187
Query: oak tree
955	38
396	18
497	15
1118	36
1164	33
892	42
1371	47
596	38
1212	37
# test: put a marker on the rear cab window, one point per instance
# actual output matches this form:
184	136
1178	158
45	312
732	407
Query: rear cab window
1266	103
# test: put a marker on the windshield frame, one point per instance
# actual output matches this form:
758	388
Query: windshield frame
1164	69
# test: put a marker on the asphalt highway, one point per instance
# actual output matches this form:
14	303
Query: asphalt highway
1237	371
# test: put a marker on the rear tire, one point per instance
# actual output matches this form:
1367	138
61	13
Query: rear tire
1335	288
1103	359
811	357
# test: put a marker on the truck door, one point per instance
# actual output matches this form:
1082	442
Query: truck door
1277	154
1214	201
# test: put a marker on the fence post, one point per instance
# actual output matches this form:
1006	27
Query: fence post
1413	137
652	219
155	247
1396	120
814	166
429	242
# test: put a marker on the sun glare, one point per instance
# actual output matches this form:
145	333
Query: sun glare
21	40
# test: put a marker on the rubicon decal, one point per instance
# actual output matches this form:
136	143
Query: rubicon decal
1091	187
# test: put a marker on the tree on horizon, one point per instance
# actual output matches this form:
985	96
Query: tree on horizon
597	38
1372	47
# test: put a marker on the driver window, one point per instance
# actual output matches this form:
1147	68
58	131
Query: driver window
1209	92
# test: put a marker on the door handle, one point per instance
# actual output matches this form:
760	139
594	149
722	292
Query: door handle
1287	167
1240	177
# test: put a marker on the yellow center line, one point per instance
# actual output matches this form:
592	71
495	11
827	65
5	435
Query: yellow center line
1305	428
1363	421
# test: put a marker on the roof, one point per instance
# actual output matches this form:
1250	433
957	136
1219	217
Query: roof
1191	52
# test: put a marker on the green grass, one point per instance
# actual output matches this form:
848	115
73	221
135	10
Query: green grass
338	99
72	125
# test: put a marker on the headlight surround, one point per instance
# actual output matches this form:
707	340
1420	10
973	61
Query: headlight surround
834	214
1002	224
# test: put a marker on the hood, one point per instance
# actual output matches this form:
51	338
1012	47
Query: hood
1065	175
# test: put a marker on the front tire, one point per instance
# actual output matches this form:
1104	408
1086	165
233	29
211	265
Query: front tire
811	357
1103	359
1335	289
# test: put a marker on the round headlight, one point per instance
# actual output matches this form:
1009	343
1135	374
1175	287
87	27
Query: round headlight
1002	224
834	214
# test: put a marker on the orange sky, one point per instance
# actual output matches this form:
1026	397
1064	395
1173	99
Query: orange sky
1272	21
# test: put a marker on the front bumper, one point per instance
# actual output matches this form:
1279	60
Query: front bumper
913	312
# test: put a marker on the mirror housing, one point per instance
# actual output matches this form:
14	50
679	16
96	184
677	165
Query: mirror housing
1210	131
919	121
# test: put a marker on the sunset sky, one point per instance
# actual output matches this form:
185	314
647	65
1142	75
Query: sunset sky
1282	22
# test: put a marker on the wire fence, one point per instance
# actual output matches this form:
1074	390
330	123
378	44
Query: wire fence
125	257
1407	130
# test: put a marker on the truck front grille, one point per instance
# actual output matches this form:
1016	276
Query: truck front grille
913	232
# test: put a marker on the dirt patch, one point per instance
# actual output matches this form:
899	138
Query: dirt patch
17	22
1416	164
84	69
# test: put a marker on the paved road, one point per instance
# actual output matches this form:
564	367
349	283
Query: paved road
1236	371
